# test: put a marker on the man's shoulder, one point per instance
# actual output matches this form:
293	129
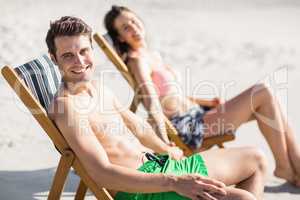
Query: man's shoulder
102	89
57	106
60	104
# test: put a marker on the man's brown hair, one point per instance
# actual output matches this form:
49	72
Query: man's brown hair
66	26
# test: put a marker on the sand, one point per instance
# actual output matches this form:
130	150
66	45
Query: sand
218	47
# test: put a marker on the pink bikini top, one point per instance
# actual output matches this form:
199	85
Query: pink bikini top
162	78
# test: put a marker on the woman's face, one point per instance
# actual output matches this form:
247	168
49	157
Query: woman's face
130	29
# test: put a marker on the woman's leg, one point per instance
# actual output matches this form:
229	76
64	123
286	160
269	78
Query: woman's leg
293	148
255	103
243	167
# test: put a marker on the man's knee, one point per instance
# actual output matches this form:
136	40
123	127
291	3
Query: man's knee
259	157
245	195
239	194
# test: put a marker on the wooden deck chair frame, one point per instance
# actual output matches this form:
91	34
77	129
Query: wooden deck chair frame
172	133
68	158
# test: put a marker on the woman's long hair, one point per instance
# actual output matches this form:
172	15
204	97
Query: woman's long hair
109	20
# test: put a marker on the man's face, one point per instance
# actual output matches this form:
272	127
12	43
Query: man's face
74	56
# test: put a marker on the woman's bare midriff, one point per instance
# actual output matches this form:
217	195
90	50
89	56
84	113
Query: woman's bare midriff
173	105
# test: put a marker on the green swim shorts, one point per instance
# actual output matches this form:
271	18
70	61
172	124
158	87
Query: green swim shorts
192	164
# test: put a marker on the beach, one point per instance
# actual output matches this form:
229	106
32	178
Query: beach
219	48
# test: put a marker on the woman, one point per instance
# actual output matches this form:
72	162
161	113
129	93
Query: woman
189	115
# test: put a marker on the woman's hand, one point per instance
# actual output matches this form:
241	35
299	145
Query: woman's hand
216	101
175	153
212	103
198	187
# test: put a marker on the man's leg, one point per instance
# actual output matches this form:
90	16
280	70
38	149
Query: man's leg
237	194
244	167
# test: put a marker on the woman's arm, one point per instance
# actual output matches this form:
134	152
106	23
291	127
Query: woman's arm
150	99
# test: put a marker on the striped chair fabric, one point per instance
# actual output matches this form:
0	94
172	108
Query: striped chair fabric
42	77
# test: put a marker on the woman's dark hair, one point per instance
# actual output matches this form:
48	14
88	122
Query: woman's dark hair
66	26
109	20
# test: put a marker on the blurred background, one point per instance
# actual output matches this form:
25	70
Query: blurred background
218	47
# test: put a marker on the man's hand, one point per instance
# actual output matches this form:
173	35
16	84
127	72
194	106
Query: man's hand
175	153
198	187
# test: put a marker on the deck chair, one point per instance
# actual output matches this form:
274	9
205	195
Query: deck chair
35	83
105	42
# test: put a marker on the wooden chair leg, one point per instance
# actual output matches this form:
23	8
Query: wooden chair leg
81	191
100	193
61	174
134	104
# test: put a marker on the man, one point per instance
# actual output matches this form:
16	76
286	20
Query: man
111	142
